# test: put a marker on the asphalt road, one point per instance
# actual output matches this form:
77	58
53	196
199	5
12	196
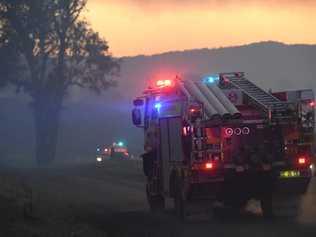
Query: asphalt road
111	201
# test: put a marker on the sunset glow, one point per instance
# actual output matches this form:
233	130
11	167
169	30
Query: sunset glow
135	27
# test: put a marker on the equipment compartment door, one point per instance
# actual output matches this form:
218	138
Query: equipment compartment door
170	146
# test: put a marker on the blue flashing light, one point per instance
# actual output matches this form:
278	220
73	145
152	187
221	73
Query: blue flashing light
98	149
211	79
120	144
158	106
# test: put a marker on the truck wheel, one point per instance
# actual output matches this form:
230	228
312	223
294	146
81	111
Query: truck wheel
287	206
156	202
236	204
179	200
267	207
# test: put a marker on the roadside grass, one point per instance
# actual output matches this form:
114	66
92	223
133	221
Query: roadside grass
55	201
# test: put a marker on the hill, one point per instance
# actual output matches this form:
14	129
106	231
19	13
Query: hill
89	120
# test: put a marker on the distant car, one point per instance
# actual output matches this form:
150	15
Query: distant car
119	151
102	154
116	151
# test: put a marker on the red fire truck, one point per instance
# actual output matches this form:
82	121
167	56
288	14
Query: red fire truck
117	151
223	139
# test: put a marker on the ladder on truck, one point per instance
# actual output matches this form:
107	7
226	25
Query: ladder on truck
259	97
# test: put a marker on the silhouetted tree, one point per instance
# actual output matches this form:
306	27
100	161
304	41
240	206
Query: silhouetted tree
7	56
55	49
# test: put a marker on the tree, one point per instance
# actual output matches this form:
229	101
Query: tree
56	50
7	55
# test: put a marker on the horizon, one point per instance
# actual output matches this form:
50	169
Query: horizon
220	47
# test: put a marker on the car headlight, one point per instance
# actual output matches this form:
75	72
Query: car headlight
99	159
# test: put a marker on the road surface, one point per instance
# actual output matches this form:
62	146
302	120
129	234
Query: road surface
82	200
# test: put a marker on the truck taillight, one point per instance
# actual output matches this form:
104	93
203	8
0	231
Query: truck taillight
209	165
312	104
302	160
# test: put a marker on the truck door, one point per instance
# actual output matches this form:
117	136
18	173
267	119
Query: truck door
170	147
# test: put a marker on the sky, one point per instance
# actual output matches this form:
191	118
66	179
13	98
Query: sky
134	27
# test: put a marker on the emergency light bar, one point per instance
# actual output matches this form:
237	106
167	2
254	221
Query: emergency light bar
211	79
164	83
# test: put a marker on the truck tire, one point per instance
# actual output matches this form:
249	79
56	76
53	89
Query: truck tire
156	202
172	185
236	203
267	207
287	206
179	200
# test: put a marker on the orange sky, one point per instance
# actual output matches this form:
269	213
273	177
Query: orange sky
135	27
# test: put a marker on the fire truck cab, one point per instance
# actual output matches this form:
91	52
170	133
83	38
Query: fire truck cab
223	139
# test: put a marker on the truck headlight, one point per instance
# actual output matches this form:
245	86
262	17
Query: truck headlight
99	159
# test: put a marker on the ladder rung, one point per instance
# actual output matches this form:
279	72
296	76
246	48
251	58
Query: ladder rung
261	97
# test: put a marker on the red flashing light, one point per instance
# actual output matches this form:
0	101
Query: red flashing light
312	104
168	83
209	166
164	83
302	160
160	83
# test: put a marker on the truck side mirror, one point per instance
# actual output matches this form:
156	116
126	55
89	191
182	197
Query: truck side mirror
137	117
138	102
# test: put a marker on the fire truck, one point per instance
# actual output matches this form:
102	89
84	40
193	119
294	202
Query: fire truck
118	150
222	139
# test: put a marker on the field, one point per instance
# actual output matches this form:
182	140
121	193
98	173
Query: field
85	200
